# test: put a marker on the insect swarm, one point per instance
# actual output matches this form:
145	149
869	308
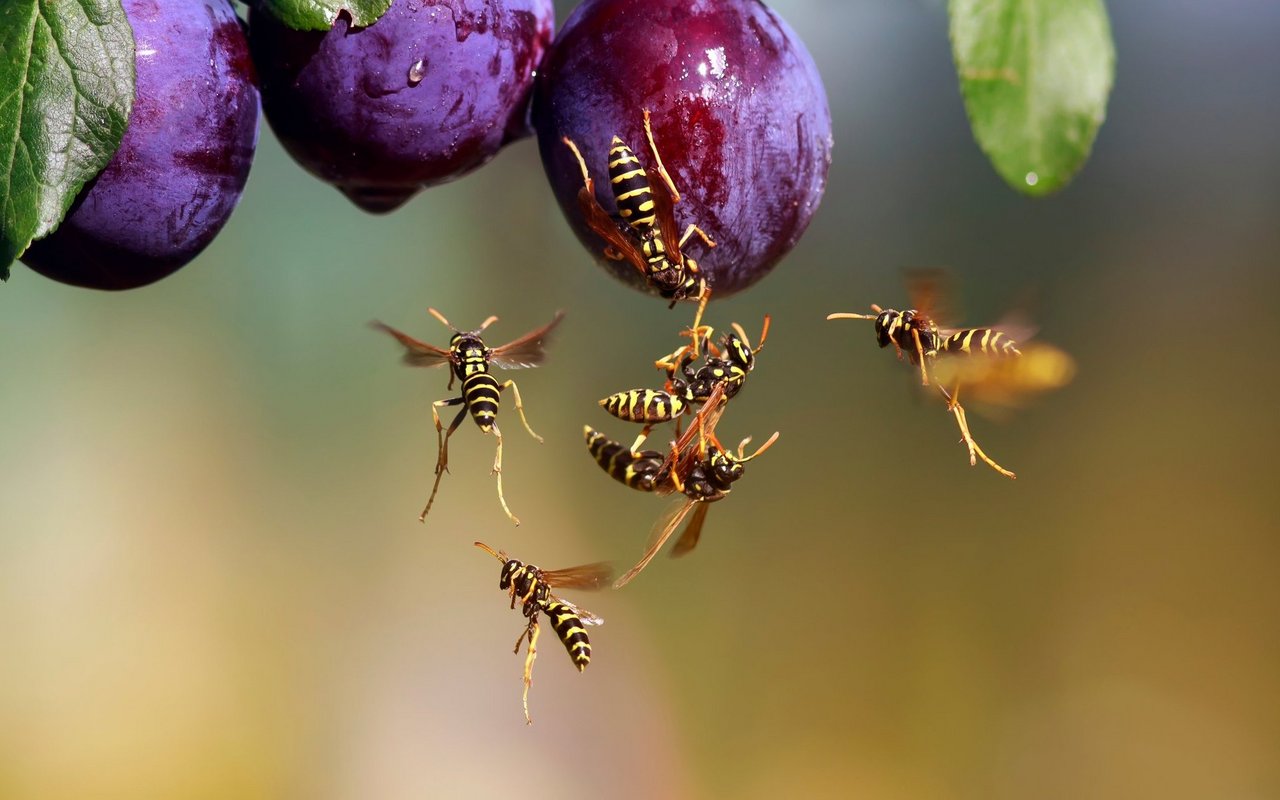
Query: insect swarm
531	587
985	363
698	467
470	362
644	231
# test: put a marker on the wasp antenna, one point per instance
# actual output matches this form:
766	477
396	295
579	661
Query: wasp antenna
443	321
487	323
582	164
850	315
741	334
742	446
764	333
496	554
763	447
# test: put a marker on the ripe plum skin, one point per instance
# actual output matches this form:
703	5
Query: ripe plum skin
184	159
345	104
739	114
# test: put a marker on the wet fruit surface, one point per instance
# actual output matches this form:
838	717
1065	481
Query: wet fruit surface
429	92
739	115
184	159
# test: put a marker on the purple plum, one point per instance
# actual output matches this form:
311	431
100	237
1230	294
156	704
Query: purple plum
184	159
739	116
426	94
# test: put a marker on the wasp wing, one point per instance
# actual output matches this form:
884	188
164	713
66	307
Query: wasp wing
528	350
1006	381
692	532
417	353
607	228
585	617
932	294
662	530
585	576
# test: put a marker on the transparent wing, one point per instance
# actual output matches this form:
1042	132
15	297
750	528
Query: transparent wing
527	351
932	294
662	530
586	617
692	532
606	228
586	576
417	353
664	210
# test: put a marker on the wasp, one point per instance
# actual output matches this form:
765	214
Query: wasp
531	587
986	364
698	467
470	360
726	367
644	231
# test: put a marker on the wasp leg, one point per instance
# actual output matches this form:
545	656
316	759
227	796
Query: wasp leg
657	159
531	655
612	254
953	405
697	318
520	407
644	434
497	471
442	452
691	230
924	374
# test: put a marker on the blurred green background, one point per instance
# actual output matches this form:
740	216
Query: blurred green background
213	584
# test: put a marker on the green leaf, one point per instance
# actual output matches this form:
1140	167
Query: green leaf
319	15
1035	75
66	90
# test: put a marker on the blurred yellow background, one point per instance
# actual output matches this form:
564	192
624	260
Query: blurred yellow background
213	583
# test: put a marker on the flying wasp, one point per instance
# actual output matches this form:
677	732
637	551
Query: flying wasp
726	367
698	467
531	587
986	364
470	360
644	231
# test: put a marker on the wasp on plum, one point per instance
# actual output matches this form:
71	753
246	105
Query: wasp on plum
644	231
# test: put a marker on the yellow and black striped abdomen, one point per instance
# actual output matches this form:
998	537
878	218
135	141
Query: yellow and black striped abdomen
571	631
987	341
644	405
480	391
630	186
637	470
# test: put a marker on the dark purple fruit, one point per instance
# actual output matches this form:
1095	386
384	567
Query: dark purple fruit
184	159
739	115
426	94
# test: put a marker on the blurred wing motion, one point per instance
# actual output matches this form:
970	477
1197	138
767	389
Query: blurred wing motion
586	576
527	351
1006	382
931	293
662	530
416	353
